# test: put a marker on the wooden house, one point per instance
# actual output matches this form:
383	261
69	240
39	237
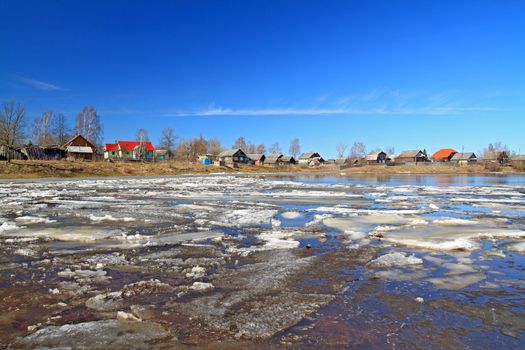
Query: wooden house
518	161
257	158
500	157
233	157
411	156
443	155
375	158
464	158
11	153
273	159
80	148
307	157
287	160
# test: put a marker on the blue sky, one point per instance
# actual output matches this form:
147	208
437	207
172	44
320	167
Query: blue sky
408	74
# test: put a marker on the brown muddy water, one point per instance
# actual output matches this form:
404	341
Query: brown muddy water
263	262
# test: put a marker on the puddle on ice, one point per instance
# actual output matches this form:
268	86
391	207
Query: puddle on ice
263	261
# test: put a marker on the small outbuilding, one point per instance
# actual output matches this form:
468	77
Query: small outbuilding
518	161
287	160
412	156
444	155
80	148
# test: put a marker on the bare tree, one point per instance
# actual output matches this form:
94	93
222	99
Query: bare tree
390	150
215	146
274	148
240	143
60	130
341	149
199	146
295	148
261	148
12	122
250	148
42	129
168	138
141	135
88	124
358	150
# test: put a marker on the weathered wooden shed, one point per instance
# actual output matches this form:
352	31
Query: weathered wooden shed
518	161
11	153
80	148
287	160
34	152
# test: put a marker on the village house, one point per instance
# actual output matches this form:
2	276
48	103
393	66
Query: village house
80	148
233	157
287	160
444	155
376	158
273	159
500	157
161	154
412	156
306	158
518	161
464	158
129	150
257	158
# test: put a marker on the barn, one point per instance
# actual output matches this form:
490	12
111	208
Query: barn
80	148
411	156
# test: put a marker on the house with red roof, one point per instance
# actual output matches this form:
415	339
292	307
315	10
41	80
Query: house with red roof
444	155
129	150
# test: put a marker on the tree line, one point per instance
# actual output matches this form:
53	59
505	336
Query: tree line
52	128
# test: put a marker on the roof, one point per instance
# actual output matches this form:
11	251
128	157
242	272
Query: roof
287	159
111	147
409	154
161	152
373	155
79	149
518	157
231	152
308	155
131	145
444	153
65	145
256	156
273	158
464	156
495	155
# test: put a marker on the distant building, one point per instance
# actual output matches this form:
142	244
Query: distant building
233	157
444	155
376	158
205	159
501	157
287	160
273	159
518	161
80	148
161	154
464	158
411	156
129	150
307	157
257	158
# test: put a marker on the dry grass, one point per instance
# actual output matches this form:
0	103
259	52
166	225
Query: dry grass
42	169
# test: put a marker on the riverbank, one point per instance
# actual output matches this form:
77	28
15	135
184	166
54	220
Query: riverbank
65	169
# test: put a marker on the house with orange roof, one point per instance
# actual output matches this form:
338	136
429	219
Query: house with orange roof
444	155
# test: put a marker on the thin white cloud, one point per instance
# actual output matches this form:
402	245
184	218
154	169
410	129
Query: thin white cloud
40	85
442	110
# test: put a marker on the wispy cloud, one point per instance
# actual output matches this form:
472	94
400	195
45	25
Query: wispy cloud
344	111
40	85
